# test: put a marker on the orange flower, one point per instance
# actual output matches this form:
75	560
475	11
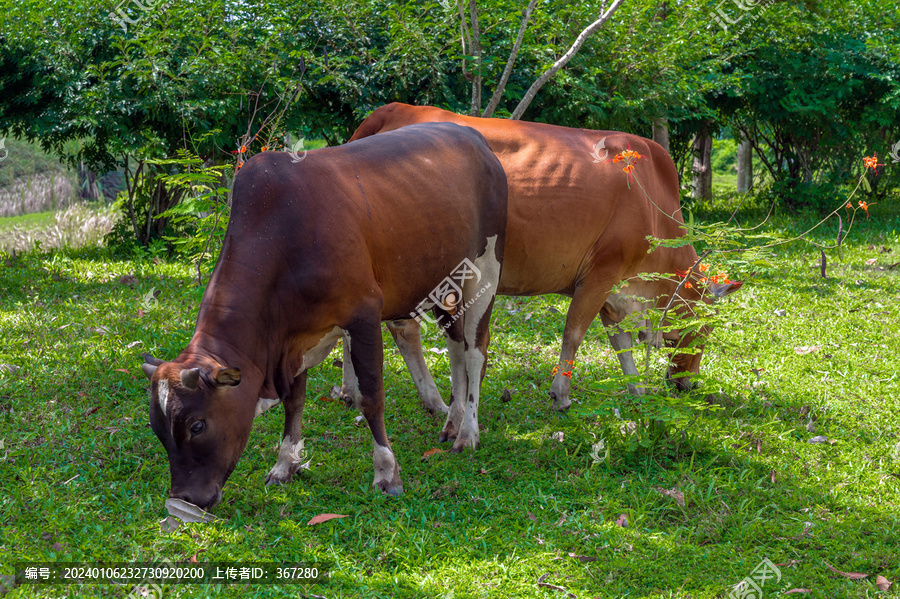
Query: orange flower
264	148
688	285
555	370
704	267
630	157
681	273
239	165
849	206
570	362
243	149
872	162
568	374
865	206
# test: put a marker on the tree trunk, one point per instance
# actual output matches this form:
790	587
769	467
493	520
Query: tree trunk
702	169
476	52
507	71
661	132
744	165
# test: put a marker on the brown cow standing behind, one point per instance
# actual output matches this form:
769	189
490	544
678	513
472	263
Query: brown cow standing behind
575	227
346	238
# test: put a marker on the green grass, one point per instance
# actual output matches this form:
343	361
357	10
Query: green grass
84	478
27	221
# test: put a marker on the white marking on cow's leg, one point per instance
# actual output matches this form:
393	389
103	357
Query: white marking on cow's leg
263	405
478	297
386	470
162	391
290	453
456	351
288	462
407	336
350	384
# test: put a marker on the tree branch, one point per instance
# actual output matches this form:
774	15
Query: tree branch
476	52
507	71
563	60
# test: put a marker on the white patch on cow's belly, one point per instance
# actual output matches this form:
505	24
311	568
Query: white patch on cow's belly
162	391
314	356
385	464
264	404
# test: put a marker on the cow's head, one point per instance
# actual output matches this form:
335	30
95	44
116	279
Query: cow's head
687	363
196	412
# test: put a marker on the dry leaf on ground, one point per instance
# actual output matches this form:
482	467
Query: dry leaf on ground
324	518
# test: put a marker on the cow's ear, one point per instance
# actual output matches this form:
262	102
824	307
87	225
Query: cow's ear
227	377
723	289
190	378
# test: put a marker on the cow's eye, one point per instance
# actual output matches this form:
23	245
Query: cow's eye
197	427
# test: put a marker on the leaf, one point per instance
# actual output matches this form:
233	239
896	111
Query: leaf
531	516
335	391
850	575
187	512
807	349
865	182
883	583
324	518
622	521
871	261
840	239
506	396
436	350
823	264
674	493
821	439
583	558
430	453
798	591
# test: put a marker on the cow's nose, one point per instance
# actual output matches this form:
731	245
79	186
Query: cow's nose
204	501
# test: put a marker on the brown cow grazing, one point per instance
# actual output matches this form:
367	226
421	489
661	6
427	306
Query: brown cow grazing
339	242
577	226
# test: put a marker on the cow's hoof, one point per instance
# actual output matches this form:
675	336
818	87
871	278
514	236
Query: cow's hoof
349	400
394	488
448	433
461	444
438	407
560	404
276	479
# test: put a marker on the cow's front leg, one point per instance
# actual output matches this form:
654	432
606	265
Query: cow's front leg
407	335
289	454
586	303
367	355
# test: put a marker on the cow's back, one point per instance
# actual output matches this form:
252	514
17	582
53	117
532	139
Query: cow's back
371	213
570	206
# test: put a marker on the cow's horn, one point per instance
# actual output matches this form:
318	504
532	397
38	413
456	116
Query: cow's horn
190	378
148	369
149	359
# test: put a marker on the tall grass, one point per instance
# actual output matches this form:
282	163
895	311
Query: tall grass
75	227
39	192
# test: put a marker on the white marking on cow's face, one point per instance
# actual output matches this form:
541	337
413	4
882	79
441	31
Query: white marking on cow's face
385	464
314	355
264	404
162	392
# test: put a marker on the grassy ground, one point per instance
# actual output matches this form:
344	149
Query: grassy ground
84	478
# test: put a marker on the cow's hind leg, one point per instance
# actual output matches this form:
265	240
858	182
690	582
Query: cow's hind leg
479	302
622	342
289	455
456	350
367	355
407	336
